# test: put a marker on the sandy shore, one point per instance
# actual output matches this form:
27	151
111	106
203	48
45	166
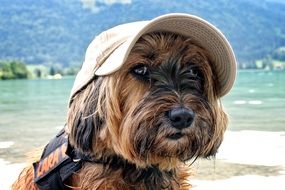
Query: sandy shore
8	173
246	160
242	183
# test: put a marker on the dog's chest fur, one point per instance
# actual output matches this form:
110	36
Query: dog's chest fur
125	176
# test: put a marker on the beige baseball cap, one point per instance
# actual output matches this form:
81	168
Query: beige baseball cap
110	49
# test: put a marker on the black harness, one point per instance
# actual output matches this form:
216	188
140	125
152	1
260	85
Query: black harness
58	162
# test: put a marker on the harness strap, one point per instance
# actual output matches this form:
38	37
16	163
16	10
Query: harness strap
56	164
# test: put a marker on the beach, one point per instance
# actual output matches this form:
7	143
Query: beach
246	160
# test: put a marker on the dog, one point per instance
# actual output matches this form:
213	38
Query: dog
143	125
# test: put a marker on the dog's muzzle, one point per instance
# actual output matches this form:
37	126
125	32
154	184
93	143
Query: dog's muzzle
180	117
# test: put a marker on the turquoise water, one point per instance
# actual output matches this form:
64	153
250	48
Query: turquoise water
32	111
257	101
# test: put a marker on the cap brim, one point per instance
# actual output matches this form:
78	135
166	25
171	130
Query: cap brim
109	50
202	32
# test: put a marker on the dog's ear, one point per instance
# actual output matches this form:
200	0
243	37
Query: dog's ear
84	121
220	118
218	133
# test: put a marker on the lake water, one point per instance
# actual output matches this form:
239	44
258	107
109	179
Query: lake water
32	111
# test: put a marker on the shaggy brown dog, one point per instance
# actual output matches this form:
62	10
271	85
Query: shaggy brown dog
143	125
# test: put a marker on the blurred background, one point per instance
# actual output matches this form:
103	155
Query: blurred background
42	46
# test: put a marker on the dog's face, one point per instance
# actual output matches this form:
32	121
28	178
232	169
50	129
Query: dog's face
160	108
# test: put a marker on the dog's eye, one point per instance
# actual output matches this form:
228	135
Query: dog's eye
191	69
193	72
140	71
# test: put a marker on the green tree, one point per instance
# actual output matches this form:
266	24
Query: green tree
267	62
19	70
13	70
52	71
5	70
279	54
38	73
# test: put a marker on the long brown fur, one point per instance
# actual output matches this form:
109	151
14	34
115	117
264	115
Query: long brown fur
119	120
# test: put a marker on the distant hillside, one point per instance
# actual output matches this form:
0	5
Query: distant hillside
58	31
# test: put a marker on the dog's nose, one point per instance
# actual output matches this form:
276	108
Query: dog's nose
181	117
